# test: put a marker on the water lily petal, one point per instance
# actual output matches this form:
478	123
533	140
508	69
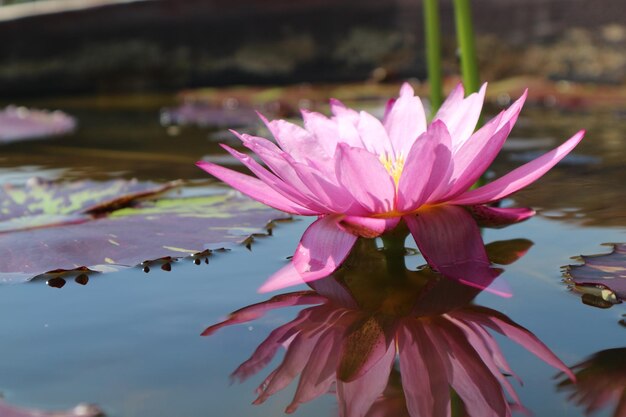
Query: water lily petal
255	189
322	249
473	158
406	121
282	187
450	241
368	227
373	135
461	114
487	216
356	397
363	176
324	129
295	140
327	193
427	167
519	177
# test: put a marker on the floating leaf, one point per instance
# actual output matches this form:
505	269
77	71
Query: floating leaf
54	230
601	278
81	410
18	123
203	115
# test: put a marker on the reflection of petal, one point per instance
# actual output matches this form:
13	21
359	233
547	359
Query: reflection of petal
359	395
364	345
467	374
450	241
319	373
256	311
423	374
505	326
265	352
323	247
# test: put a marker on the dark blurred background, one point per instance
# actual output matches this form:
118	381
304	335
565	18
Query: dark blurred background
52	47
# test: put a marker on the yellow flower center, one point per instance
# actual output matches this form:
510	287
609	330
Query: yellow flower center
393	167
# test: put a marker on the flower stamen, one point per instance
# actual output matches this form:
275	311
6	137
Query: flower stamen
394	166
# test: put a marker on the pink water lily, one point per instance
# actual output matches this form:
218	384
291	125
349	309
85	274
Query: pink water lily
362	176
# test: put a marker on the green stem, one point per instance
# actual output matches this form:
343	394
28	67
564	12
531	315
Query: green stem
465	37
433	53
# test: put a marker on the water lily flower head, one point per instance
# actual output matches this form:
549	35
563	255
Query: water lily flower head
361	176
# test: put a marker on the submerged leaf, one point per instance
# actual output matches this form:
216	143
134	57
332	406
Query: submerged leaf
54	229
601	278
18	123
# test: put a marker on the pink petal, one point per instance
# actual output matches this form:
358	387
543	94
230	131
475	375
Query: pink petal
255	311
427	167
368	227
254	188
356	397
487	216
388	107
373	135
282	187
520	177
309	185
461	114
450	241
406	121
473	158
324	129
347	120
295	140
322	249
330	195
363	176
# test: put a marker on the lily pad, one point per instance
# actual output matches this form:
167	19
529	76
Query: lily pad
601	277
19	123
81	410
74	229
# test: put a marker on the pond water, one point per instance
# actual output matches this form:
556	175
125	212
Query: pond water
131	342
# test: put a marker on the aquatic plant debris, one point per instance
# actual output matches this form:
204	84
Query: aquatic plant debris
362	176
75	229
600	276
19	123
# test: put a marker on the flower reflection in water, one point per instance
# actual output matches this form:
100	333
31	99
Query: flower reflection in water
374	318
601	381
